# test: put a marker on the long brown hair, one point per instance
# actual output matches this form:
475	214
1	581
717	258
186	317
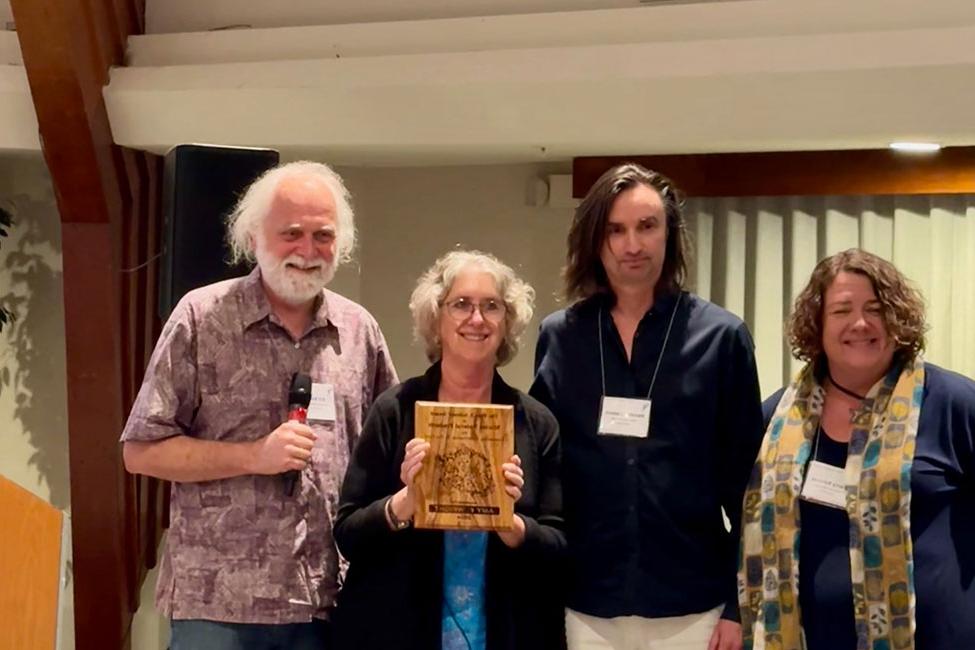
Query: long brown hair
583	274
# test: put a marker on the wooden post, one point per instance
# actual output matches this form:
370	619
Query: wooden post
108	198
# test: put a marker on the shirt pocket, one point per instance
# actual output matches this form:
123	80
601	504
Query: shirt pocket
239	397
233	372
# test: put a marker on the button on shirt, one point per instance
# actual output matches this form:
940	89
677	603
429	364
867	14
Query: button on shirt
239	550
644	516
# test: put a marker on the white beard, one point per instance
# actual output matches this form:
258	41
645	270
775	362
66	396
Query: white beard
289	284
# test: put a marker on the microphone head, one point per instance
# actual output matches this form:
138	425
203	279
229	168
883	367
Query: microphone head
299	394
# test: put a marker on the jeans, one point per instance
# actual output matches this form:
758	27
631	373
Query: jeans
214	635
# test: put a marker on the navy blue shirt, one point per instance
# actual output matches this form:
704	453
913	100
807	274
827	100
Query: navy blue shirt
643	516
942	527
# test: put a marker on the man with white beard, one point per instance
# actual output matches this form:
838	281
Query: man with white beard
246	564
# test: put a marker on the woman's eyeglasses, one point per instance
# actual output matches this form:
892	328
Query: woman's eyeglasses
461	309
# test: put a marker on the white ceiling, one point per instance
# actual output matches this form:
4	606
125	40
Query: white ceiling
18	122
166	16
744	18
386	82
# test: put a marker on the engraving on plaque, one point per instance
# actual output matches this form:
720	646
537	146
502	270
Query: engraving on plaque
465	474
460	485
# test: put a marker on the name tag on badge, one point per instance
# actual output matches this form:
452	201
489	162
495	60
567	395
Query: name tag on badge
825	484
624	416
322	406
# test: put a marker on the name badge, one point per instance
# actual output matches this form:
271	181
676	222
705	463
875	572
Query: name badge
825	484
322	406
624	416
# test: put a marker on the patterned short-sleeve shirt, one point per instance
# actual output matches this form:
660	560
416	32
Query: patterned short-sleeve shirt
240	550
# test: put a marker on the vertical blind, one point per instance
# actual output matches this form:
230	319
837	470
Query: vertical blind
754	255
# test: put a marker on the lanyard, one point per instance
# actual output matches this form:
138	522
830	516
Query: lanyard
656	369
815	451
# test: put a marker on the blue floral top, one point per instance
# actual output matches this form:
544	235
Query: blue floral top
463	614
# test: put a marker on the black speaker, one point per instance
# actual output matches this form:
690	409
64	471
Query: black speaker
201	185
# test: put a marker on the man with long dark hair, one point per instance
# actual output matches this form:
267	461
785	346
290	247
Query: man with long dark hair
657	397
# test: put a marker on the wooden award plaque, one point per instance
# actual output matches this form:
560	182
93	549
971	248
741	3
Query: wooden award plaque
461	486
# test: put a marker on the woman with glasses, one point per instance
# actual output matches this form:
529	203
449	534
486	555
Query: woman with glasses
410	588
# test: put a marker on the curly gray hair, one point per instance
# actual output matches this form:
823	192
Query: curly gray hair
434	286
245	220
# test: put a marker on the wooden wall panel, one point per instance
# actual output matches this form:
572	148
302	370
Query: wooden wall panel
30	563
799	173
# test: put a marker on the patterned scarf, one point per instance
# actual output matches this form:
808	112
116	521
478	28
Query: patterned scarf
878	502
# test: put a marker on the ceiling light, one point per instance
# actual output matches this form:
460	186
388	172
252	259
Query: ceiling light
915	147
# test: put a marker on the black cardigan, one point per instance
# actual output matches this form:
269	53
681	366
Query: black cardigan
393	592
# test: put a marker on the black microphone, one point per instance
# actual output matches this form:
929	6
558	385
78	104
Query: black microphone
299	397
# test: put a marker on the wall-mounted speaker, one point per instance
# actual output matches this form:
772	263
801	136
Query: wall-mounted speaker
201	186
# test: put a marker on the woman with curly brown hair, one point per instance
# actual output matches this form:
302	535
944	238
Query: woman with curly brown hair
859	519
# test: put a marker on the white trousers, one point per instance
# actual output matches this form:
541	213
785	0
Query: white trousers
691	632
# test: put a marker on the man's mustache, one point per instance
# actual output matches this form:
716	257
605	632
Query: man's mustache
305	266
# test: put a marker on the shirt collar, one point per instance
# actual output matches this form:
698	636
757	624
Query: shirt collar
663	303
501	392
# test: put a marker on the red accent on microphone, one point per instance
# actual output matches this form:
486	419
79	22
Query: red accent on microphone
299	397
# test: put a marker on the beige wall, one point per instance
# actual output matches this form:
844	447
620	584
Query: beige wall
150	630
33	409
33	393
407	217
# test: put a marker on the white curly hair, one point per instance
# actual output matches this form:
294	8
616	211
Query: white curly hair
434	285
244	222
